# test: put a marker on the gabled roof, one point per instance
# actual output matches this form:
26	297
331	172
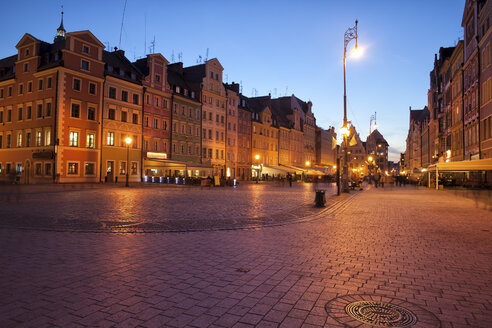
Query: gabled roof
7	67
419	115
117	59
195	73
86	35
26	39
377	136
259	104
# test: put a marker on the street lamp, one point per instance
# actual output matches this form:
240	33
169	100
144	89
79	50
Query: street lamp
257	157
308	163
128	141
350	35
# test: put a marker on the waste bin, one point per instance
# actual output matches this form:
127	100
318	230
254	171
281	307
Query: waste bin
320	199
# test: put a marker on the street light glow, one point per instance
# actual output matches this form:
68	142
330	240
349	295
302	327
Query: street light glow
257	156
128	140
344	131
308	163
357	52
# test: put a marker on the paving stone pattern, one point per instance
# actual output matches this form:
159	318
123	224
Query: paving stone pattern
427	248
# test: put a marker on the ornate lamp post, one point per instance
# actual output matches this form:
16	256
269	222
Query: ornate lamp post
257	157
350	35
128	142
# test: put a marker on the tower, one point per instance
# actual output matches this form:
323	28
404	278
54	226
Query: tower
60	31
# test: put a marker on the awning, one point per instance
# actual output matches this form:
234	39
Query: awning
463	166
273	170
290	168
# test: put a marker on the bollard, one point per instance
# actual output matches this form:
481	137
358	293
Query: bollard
320	199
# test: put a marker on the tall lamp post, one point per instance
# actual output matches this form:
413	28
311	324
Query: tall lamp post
350	35
128	141
257	157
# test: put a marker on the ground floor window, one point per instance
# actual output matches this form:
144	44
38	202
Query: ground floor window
38	169
73	168
134	168
122	167
90	169
47	168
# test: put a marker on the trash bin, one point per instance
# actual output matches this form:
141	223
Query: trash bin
320	199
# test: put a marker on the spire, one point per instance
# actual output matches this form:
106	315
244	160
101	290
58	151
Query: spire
60	32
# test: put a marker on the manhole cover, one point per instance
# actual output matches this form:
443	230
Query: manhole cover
379	311
381	314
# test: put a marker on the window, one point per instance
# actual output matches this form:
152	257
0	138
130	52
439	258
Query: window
38	169
91	140
85	49
91	113
134	168
110	139
26	67
222	154
38	138
1	93
124	116
210	153
204	152
19	139
29	87
216	135
21	89
147	121
47	137
164	125
74	139
73	168
28	139
9	115
124	95
48	109
10	91
158	78
76	84
217	118
210	134
156	123
84	65
164	103
89	169
135	118
49	82
19	114
1	117
92	88
221	119
156	101
9	140
75	110
111	113
135	99
40	110
47	168
112	93
217	154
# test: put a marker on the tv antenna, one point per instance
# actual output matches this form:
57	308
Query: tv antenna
122	20
275	92
286	89
206	56
227	78
180	57
199	60
241	87
152	46
172	57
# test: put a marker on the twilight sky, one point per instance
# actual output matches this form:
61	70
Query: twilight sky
277	46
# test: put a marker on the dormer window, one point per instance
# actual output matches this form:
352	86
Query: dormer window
122	72
110	68
178	90
85	49
186	92
192	94
157	78
84	65
27	52
134	77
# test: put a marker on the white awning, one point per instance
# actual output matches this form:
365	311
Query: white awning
463	166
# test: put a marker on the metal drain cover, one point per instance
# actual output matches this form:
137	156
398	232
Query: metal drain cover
379	311
381	314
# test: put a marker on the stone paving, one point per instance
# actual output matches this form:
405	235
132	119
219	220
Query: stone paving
154	207
426	248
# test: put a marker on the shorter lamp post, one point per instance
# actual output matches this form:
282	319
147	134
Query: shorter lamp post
257	157
128	141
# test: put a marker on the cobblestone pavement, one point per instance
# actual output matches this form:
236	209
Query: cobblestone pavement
429	251
151	207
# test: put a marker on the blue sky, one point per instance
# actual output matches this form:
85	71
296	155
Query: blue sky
281	47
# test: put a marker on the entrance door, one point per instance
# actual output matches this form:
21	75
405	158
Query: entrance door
110	171
27	172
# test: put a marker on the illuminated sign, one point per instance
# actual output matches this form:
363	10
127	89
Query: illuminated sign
157	155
